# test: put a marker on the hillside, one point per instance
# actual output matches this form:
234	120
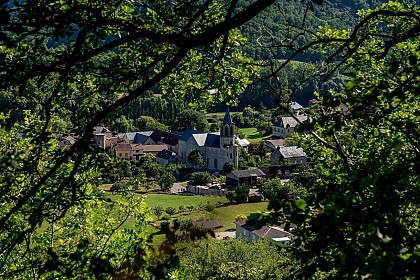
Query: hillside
283	24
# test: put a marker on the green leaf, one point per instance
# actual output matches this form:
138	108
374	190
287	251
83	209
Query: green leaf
301	204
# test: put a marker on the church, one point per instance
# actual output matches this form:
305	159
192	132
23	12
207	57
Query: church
217	148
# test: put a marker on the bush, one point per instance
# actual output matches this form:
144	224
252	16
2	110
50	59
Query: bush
118	187
231	196
209	207
158	210
201	178
170	210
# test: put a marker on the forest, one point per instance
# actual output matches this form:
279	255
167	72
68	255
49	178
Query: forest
69	65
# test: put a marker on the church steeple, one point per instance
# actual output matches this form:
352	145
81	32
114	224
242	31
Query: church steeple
227	119
228	128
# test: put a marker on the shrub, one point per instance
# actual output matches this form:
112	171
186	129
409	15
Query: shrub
158	210
209	207
170	210
201	178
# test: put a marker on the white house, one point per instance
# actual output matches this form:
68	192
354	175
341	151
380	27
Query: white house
250	234
286	126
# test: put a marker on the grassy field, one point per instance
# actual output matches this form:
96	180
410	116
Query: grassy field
251	134
167	200
224	213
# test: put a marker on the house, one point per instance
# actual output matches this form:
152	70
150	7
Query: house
128	151
211	189
296	107
153	149
247	177
286	126
251	234
288	155
66	141
274	144
143	138
166	157
217	148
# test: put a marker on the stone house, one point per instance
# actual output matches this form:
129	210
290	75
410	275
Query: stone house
166	157
128	151
288	155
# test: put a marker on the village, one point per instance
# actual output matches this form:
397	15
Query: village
196	154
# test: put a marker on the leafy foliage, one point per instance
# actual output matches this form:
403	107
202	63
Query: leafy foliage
234	259
361	215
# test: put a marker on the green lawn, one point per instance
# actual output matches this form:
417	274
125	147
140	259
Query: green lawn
251	134
167	200
225	215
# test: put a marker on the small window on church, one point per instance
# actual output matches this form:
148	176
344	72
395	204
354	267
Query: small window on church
226	131
230	155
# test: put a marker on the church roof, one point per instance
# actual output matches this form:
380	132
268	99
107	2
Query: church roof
213	140
227	119
187	134
200	138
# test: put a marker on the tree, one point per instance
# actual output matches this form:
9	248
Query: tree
234	259
201	178
146	123
191	119
122	124
195	158
82	61
360	217
166	181
241	193
228	167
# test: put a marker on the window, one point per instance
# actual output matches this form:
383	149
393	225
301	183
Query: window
215	163
120	154
126	154
226	131
230	155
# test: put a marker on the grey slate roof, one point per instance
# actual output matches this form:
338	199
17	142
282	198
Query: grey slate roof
165	137
227	119
200	138
187	134
209	224
130	135
290	122
271	232
291	152
142	137
295	106
246	173
213	140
